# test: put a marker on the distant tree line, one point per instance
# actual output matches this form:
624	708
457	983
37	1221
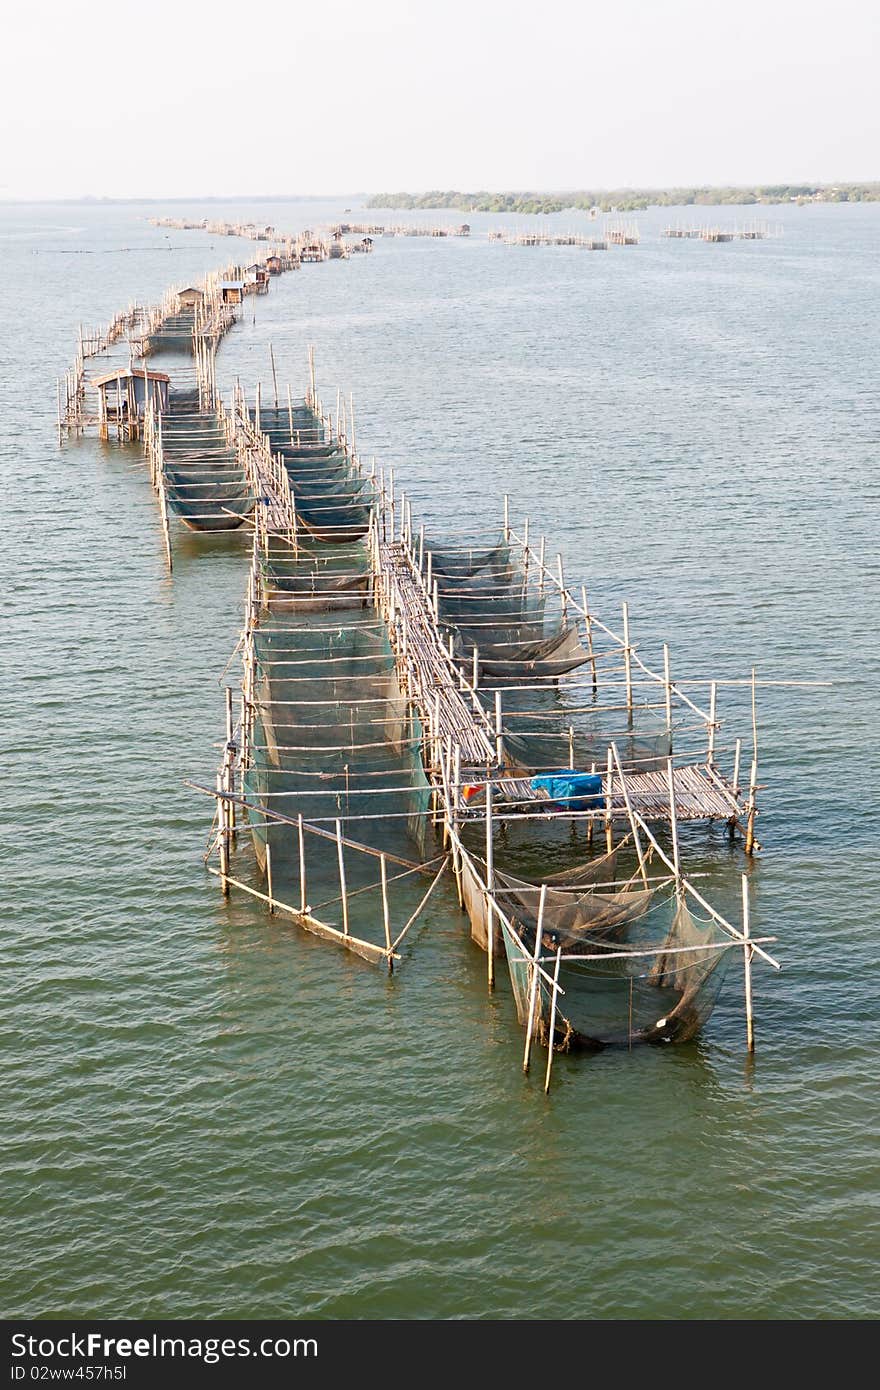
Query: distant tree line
631	199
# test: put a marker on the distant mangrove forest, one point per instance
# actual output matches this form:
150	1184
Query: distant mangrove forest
632	199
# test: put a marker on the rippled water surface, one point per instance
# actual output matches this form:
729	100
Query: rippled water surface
208	1112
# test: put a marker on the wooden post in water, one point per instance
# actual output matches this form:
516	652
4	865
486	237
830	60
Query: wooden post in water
673	821
499	730
342	888
386	916
563	592
303	900
506	517
230	760
629	811
552	1020
588	620
490	887
751	808
269	871
313	393
737	756
667	689
627	658
747	965
456	802
534	977
713	697
223	842
609	778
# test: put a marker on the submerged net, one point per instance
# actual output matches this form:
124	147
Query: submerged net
665	994
335	741
205	483
333	501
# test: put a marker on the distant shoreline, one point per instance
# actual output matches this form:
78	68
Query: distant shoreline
631	199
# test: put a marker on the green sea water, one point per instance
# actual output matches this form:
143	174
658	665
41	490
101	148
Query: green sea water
207	1112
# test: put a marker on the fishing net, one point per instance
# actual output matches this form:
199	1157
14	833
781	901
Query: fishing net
543	750
333	501
659	981
335	741
695	972
205	484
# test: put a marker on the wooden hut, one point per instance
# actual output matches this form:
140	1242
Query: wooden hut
190	298
123	396
274	265
231	291
260	275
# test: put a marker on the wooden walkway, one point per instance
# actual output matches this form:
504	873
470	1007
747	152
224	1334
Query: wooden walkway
701	793
450	710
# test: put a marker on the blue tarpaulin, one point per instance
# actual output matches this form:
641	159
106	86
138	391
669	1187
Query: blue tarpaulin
570	790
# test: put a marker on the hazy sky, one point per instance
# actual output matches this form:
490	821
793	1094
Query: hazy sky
170	97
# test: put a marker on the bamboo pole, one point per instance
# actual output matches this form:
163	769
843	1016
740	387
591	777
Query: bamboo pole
609	789
302	864
627	657
456	802
673	820
230	760
386	918
342	887
737	755
747	966
588	619
752	808
552	1020
629	811
562	589
713	697
269	873
222	841
533	981
667	688
490	887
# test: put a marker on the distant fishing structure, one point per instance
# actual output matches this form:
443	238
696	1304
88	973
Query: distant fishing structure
334	231
614	233
751	231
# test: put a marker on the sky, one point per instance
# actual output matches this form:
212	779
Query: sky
170	98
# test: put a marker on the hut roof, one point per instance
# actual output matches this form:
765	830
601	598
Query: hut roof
192	289
231	284
123	373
